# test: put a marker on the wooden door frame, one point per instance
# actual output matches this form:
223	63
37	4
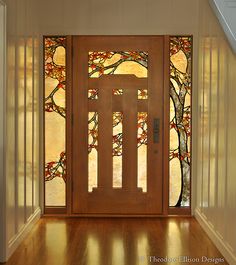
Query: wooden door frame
167	210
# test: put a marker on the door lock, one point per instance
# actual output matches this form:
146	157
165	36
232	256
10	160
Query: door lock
156	130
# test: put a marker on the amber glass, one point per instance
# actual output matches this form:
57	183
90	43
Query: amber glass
123	63
55	114
180	120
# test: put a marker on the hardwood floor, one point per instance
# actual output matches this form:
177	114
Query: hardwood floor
118	241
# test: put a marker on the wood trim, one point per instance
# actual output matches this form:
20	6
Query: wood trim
69	119
55	210
118	81
117	215
105	140
155	96
80	113
124	43
43	133
191	124
166	122
93	104
179	211
129	142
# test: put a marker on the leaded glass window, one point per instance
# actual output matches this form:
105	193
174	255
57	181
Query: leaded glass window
180	120
120	62
55	115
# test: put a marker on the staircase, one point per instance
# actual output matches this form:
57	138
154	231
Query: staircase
225	11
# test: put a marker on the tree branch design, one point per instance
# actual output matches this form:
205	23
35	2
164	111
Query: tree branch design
52	70
182	118
97	61
181	121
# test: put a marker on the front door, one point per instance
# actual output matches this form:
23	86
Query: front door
117	134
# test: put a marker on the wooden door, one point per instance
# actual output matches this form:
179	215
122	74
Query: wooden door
117	134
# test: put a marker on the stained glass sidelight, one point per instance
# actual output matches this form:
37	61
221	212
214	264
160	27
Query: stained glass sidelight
180	120
55	114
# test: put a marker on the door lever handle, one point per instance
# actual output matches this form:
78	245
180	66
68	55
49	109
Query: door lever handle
156	130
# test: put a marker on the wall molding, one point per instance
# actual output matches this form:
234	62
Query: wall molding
217	239
17	239
2	131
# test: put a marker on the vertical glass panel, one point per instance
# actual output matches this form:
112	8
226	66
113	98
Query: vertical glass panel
117	92
55	159
142	150
92	150
142	94
117	149
180	120
117	62
93	93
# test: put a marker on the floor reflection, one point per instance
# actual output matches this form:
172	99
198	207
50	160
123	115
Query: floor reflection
56	242
114	241
93	249
118	248
118	251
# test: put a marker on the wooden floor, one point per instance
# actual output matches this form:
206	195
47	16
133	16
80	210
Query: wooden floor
120	241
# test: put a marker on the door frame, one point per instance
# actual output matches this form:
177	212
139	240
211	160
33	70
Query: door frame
167	210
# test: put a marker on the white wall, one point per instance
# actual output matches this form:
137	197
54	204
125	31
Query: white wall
22	123
27	18
216	182
225	12
118	17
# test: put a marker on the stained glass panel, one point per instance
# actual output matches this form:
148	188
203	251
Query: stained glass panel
117	92
93	93
55	158
142	150
92	150
180	120
120	62
117	149
142	94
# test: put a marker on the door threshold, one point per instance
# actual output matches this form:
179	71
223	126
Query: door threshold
116	215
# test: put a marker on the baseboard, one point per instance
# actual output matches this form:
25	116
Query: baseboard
17	239
217	240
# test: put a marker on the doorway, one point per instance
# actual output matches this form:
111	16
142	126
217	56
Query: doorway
119	124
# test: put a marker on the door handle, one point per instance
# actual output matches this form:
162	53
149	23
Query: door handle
156	130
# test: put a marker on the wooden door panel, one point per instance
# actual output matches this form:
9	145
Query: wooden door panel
129	180
128	199
105	140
